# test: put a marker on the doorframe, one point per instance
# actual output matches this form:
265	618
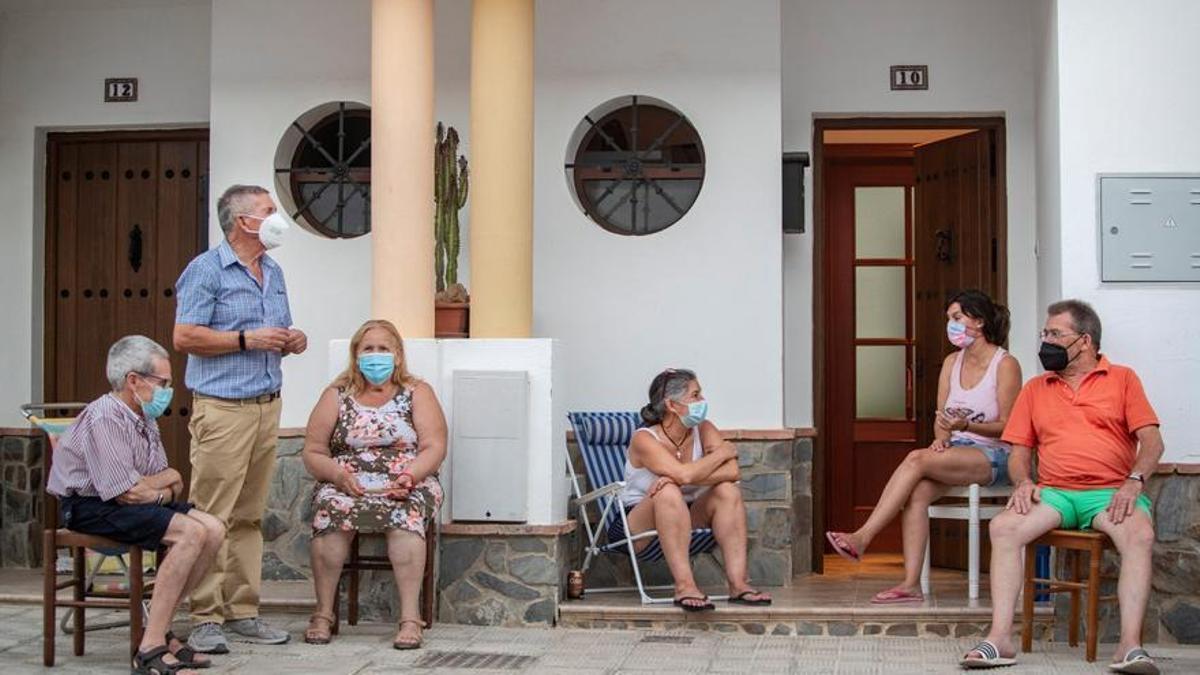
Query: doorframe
995	124
53	139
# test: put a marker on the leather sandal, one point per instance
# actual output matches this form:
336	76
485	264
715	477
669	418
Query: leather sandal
313	635
152	663
400	644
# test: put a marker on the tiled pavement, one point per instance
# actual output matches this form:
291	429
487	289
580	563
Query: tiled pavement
367	649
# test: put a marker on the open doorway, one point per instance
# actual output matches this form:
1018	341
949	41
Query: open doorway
907	212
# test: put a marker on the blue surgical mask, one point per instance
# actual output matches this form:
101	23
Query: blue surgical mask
159	400
697	411
377	367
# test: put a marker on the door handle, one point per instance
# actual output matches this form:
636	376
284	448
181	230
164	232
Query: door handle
943	244
135	248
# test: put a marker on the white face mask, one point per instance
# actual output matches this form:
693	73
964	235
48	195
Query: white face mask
271	232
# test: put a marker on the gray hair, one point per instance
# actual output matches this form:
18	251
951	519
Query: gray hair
670	384
132	354
233	202
1084	319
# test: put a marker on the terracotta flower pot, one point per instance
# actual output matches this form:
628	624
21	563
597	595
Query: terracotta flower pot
452	319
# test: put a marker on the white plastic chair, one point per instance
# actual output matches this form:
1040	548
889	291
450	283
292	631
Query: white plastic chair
972	512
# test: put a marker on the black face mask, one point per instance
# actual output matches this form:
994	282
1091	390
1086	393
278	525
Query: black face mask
1054	357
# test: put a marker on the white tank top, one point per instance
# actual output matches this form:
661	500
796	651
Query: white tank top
978	404
638	481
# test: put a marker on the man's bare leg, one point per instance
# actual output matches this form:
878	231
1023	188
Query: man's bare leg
1009	532
1134	539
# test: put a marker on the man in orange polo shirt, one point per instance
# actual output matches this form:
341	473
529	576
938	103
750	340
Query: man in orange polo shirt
1086	418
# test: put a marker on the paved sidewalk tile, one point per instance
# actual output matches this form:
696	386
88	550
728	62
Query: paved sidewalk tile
366	649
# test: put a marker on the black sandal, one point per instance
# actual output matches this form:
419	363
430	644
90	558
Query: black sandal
186	655
151	663
740	598
681	602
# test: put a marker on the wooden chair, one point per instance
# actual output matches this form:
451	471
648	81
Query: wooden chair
359	563
84	596
1077	542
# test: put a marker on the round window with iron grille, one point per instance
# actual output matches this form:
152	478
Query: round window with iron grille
323	170
635	165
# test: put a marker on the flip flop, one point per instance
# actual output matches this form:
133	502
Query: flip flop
679	602
895	596
991	657
1137	662
843	549
740	599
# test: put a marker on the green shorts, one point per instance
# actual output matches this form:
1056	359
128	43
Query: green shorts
1079	507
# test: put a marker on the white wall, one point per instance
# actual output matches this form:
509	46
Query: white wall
1127	104
981	62
53	61
1049	230
706	292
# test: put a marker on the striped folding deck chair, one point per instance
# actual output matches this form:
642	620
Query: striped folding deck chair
603	439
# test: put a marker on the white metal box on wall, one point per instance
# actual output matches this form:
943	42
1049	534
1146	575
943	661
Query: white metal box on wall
1149	227
489	435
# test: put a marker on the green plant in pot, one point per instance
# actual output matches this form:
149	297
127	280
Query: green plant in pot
450	184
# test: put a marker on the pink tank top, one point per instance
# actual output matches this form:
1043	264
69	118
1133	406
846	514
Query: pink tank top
980	403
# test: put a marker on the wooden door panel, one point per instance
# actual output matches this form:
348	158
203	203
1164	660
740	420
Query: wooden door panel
135	238
178	195
95	242
64	295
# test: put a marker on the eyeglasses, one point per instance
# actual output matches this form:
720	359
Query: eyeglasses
161	381
1054	334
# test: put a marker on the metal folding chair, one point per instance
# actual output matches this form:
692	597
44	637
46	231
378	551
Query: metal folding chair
603	439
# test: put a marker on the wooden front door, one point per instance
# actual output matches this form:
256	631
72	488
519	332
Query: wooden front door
125	213
869	336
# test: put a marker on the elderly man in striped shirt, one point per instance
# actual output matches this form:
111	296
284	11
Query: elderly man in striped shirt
111	477
233	320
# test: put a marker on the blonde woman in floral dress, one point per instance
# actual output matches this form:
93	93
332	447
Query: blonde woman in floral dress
374	442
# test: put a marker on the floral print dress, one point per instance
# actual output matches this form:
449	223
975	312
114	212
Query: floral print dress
378	444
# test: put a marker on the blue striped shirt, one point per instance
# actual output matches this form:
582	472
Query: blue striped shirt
219	292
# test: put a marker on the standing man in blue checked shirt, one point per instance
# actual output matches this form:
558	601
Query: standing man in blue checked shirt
232	320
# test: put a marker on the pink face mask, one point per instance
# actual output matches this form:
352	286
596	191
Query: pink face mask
956	332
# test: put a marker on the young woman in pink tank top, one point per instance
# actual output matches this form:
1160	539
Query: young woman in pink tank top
978	385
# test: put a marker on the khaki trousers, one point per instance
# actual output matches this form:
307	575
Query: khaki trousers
233	459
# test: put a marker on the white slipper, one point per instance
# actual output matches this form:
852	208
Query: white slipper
1137	662
991	657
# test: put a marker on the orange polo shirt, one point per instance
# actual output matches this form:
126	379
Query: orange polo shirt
1084	439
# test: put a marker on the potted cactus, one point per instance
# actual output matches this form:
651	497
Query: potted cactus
452	304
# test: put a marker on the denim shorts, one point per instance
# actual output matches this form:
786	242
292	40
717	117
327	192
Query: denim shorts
996	456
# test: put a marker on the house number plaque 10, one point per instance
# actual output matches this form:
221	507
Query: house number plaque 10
910	77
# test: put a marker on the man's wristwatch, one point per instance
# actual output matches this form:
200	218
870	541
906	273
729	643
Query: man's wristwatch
1136	476
242	340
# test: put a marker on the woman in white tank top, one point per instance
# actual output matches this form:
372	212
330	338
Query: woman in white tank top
681	473
978	385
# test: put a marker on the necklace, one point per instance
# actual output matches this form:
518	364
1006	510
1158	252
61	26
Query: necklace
679	445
